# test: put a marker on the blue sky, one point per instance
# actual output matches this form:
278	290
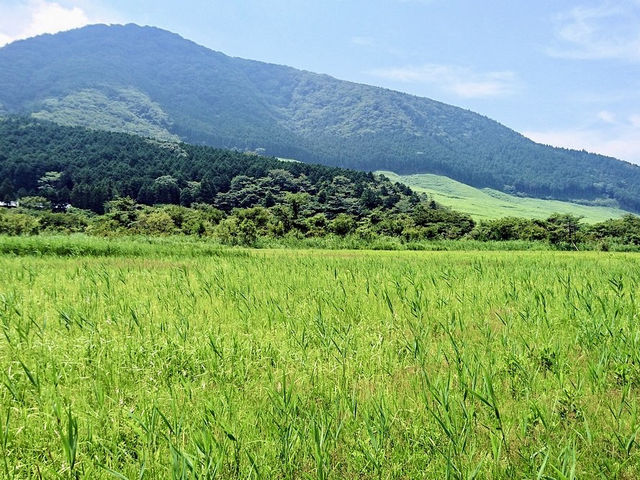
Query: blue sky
563	72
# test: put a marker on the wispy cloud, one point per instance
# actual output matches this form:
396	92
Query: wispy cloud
618	138
34	17
363	41
461	81
609	30
607	117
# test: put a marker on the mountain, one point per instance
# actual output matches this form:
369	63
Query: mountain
152	82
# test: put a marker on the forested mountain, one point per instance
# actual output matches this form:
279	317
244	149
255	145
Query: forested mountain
148	81
89	167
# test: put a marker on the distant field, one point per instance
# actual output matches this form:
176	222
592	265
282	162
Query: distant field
238	363
486	203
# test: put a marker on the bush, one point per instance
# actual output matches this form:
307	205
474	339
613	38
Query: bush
35	203
156	222
343	224
233	231
71	222
317	225
18	224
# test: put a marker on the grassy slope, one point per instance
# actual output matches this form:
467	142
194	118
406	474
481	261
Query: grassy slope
484	204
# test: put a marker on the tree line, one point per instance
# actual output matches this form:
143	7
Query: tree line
86	168
295	218
71	179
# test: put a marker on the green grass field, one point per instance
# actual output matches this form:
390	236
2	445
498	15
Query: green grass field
317	364
486	203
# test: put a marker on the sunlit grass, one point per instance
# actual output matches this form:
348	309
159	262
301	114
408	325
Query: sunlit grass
319	364
489	204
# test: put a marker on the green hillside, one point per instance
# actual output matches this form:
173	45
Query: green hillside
148	81
86	168
486	203
124	110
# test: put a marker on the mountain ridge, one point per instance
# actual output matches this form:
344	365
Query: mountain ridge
210	98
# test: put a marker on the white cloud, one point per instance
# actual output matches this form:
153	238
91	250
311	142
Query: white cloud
622	142
607	31
461	81
4	39
607	117
635	120
28	18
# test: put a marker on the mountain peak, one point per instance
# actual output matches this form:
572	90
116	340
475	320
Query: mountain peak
150	81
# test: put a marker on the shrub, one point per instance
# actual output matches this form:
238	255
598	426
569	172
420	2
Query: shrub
18	224
343	224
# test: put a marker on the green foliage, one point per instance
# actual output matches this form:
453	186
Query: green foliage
261	226
248	198
7	191
317	225
89	168
625	230
441	223
152	82
563	231
175	358
18	224
165	189
35	202
511	228
121	109
157	222
72	221
342	224
234	231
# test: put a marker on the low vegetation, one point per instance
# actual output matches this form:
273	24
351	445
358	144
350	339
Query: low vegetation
315	364
489	204
295	223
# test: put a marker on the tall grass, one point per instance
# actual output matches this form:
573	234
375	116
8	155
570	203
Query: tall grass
86	246
317	364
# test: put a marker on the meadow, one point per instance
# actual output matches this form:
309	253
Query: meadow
490	204
169	361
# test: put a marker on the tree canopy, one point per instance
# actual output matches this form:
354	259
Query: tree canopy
87	168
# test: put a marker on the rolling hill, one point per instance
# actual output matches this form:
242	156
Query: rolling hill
489	204
152	82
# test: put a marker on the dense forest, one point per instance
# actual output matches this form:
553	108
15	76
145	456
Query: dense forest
87	168
155	83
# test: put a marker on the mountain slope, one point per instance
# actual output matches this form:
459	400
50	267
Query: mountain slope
489	204
149	81
87	168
